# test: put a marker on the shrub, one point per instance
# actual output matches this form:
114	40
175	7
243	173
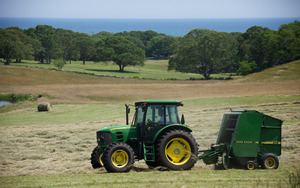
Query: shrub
59	63
246	68
14	98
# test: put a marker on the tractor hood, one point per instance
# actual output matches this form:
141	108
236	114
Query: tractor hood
118	128
120	133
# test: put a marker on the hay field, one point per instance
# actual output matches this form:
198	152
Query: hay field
53	149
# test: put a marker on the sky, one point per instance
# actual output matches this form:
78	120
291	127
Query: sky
150	8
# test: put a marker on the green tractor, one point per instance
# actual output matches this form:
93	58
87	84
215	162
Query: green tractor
156	135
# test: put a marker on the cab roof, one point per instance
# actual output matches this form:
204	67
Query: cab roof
178	102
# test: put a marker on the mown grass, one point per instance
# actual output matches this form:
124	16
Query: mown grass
193	178
78	113
153	69
63	114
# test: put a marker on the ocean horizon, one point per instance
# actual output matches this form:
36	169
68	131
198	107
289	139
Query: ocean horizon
174	27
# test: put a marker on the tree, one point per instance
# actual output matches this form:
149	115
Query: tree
246	67
47	35
14	44
160	46
119	50
255	46
102	35
85	46
59	63
144	36
67	43
37	46
202	51
289	40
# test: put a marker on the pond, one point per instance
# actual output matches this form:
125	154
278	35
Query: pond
2	103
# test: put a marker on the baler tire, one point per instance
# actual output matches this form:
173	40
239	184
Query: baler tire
96	160
177	150
118	157
269	161
250	165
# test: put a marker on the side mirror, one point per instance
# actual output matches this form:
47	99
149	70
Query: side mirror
182	119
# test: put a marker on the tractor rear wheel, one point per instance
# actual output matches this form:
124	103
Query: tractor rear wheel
118	157
177	150
96	158
269	161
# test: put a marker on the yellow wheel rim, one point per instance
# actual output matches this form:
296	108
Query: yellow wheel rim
250	166
120	158
100	159
178	151
270	162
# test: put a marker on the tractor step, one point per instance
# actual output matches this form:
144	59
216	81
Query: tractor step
149	153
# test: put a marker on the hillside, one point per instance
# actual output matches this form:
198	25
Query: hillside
81	88
285	72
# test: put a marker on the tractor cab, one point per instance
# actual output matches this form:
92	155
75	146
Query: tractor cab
152	116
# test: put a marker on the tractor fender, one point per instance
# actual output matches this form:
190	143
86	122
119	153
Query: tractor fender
171	127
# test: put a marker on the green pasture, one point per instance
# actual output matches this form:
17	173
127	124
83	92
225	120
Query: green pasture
153	69
78	113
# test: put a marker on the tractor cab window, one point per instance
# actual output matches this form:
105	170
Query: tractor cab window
139	116
155	115
172	115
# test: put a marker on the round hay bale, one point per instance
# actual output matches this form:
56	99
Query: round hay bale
44	106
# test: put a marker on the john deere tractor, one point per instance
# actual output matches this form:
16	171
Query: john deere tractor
156	135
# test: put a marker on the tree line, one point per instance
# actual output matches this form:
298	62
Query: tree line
200	51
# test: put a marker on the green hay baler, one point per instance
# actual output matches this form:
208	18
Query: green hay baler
246	138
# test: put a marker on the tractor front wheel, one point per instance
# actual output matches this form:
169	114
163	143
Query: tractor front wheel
269	161
118	157
177	150
96	158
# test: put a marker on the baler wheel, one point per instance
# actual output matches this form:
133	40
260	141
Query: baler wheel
250	165
269	161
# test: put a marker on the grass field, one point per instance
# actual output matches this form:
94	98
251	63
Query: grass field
53	149
153	69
